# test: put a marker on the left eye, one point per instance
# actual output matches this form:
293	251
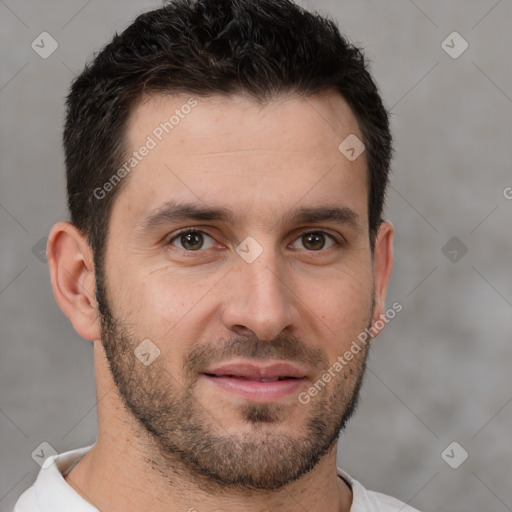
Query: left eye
316	240
193	240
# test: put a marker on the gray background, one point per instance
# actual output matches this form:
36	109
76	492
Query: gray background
441	370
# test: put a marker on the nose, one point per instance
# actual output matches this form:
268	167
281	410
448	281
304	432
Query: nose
260	300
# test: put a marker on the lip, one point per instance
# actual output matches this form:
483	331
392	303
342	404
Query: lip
244	380
255	371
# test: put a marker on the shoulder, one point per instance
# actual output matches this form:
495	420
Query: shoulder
364	500
383	502
27	502
50	491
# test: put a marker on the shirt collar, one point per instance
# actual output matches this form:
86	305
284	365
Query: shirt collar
53	492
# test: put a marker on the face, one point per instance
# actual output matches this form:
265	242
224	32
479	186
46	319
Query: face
239	269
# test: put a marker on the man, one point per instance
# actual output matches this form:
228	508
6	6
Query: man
226	168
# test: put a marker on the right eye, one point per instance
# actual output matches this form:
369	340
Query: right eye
191	240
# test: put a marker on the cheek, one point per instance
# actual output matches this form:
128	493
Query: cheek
165	306
149	301
159	304
344	308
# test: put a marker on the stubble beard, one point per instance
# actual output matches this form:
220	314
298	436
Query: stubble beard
187	438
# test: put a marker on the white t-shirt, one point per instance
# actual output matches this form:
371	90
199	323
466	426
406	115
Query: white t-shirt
51	493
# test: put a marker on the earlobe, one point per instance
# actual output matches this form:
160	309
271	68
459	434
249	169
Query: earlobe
73	280
382	268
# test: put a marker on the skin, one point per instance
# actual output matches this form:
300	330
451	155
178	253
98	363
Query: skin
260	162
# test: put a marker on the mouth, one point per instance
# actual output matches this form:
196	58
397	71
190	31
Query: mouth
258	382
241	377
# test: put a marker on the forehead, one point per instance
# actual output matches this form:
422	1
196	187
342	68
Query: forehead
230	150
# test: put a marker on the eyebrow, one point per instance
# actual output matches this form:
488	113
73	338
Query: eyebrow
174	211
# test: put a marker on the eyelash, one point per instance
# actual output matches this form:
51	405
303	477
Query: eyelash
305	232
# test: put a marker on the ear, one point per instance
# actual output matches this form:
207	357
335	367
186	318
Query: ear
73	280
382	267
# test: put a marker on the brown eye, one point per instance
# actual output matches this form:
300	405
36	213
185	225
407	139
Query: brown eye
316	240
191	240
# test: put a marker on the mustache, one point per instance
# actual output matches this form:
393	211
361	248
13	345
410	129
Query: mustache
284	348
